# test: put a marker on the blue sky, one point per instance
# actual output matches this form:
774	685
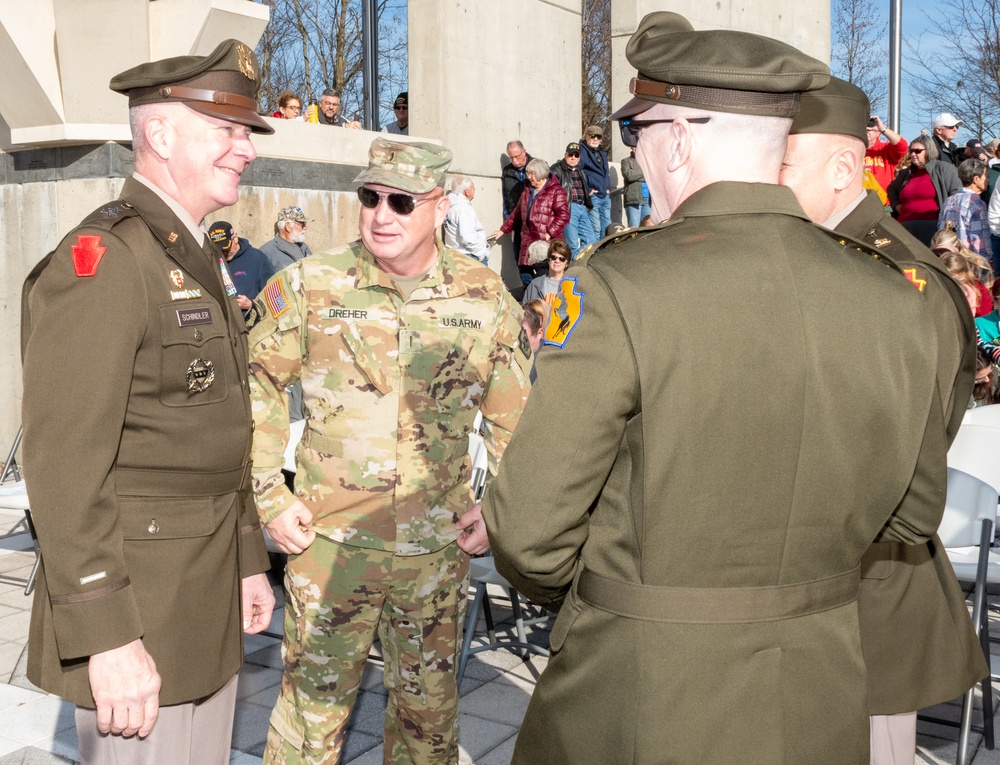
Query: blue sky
913	115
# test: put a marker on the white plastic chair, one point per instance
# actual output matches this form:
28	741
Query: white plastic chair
976	448
966	532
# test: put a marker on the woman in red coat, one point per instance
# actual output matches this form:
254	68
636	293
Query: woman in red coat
542	212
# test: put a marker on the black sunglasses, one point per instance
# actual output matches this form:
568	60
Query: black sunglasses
630	128
399	203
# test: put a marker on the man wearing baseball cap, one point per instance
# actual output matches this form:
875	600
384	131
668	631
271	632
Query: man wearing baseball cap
398	342
703	539
945	127
137	463
579	232
594	163
289	242
906	590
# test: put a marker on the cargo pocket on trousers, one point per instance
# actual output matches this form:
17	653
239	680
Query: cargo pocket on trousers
285	721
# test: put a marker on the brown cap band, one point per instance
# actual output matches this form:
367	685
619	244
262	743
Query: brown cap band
182	93
742	101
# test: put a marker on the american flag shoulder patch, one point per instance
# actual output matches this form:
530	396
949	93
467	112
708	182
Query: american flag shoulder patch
274	295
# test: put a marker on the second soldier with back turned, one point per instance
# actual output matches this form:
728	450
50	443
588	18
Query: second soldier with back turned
398	343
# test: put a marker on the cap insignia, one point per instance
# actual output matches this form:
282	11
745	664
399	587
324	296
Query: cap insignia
246	61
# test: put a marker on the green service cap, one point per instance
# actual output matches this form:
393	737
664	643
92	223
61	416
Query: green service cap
720	70
222	84
840	109
415	167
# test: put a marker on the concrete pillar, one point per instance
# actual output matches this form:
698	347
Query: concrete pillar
485	73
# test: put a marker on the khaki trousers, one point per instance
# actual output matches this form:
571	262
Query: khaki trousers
894	738
197	733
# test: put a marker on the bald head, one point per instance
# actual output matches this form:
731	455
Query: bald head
825	171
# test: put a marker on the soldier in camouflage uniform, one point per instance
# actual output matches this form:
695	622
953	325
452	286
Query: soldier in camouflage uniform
398	342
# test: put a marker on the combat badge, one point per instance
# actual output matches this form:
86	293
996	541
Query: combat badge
566	312
200	375
87	254
911	274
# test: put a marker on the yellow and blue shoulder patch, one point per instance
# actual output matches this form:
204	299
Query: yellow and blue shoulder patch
567	310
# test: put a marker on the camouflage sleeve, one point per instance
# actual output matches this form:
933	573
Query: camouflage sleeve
275	362
507	385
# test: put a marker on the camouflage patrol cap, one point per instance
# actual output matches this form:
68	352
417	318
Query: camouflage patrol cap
720	70
839	108
222	84
415	167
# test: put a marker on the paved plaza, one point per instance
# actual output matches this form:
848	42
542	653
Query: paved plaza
37	728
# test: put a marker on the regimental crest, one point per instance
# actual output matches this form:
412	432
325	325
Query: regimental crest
177	277
566	312
245	56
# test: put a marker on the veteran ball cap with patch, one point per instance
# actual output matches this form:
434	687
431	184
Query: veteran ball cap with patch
840	108
222	84
221	233
720	70
415	167
292	213
572	148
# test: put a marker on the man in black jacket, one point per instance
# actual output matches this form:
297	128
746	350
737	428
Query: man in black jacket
945	127
579	232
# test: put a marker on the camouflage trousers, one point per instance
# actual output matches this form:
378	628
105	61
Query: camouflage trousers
337	596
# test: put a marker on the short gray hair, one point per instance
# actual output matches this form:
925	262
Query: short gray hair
970	169
538	168
515	145
457	184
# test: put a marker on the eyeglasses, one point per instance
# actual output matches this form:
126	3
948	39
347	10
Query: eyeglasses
916	151
399	203
294	107
559	258
594	135
517	156
630	128
573	154
324	102
401	108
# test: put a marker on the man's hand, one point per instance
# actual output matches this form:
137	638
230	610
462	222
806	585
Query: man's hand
258	603
290	530
473	538
354	125
126	687
243	302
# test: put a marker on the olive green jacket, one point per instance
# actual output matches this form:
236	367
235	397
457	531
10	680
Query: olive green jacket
701	511
919	644
139	481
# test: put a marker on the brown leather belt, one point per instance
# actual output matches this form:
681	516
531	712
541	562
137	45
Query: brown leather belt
717	605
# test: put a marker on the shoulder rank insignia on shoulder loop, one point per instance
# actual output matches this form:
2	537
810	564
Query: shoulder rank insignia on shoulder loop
87	253
566	312
274	295
911	274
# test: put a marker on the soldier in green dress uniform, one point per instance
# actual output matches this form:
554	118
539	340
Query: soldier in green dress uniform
699	518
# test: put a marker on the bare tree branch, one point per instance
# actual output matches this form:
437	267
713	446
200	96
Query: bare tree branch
860	48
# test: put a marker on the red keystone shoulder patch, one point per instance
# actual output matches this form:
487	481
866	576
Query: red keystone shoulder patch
87	253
